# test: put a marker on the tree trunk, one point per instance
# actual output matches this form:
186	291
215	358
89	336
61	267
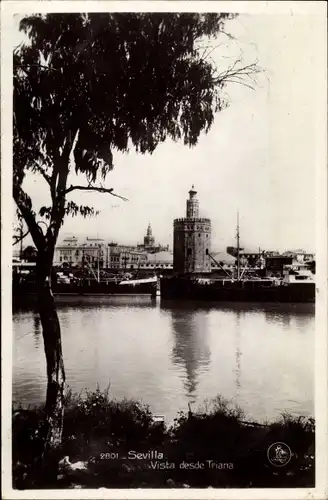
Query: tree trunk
54	358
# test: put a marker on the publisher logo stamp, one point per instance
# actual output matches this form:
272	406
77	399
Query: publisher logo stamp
279	454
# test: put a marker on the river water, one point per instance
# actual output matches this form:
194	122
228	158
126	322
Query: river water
167	355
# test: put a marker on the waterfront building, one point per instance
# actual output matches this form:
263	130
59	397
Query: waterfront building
96	252
68	251
192	240
74	252
93	252
124	257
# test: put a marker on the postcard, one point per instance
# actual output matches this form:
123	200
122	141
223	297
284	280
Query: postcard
164	257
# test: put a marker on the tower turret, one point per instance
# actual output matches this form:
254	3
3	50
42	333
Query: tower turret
192	204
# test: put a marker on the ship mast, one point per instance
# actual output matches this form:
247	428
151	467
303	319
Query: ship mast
98	256
238	249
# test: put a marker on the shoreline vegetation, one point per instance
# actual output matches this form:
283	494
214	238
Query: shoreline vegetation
119	444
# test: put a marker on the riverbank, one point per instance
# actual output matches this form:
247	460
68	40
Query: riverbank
120	444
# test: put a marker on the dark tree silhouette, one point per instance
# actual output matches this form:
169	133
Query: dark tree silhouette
29	253
89	84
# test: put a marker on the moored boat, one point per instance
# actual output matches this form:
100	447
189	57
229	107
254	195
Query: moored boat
87	286
295	286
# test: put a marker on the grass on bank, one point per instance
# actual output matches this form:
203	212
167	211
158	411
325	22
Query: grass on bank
106	434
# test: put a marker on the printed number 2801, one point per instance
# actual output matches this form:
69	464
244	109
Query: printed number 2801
108	456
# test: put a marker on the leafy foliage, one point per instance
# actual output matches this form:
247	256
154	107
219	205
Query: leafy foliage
117	78
96	425
89	84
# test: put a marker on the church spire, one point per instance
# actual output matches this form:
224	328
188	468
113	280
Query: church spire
149	240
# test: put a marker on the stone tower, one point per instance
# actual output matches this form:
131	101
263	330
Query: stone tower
192	240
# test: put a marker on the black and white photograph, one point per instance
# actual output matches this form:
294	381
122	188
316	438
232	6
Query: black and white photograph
164	277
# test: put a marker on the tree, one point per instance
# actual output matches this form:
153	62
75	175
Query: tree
85	86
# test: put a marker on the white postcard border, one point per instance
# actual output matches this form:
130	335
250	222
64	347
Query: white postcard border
313	8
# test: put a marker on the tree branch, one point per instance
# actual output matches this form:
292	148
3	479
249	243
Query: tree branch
40	170
240	83
20	238
239	75
94	188
53	182
43	66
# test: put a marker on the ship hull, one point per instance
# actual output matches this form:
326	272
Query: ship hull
176	288
24	291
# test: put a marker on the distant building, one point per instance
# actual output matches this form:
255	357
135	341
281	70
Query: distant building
192	240
74	252
149	243
248	257
271	253
124	257
279	264
96	252
149	240
300	255
68	251
252	258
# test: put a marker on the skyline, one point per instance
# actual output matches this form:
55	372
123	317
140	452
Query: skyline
254	159
82	238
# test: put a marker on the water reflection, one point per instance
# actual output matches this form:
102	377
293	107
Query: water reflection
36	330
287	317
169	354
238	356
303	321
190	349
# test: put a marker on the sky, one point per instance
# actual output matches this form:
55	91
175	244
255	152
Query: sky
259	156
